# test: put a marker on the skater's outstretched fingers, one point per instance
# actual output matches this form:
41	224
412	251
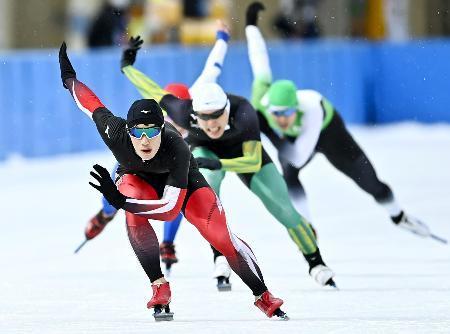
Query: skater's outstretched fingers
107	187
252	13
66	68
129	54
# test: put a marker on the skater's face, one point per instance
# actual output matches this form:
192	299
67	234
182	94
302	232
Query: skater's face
145	147
284	121
214	128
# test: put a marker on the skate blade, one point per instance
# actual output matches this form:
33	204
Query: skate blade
223	284
332	284
162	315
281	315
224	287
435	237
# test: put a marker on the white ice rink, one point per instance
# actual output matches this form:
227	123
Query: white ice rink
390	280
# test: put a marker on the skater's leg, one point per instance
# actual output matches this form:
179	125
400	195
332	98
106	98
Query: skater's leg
269	186
167	248
204	210
214	179
296	191
344	153
171	228
141	234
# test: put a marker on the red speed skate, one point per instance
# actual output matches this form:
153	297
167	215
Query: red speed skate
168	256
96	225
270	305
160	302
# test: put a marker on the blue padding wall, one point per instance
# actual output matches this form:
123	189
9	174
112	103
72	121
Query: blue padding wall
412	82
367	83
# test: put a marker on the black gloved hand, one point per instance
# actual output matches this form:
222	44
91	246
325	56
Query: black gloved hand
252	13
212	164
107	187
65	66
129	54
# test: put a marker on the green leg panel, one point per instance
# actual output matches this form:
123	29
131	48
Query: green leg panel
270	187
213	177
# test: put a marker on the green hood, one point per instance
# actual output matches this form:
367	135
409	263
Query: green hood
282	93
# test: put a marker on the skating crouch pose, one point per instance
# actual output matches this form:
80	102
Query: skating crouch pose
159	178
210	73
301	123
224	135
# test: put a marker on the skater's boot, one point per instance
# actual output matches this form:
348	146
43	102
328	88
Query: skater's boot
168	256
411	224
319	271
322	275
222	272
161	295
96	225
270	305
160	302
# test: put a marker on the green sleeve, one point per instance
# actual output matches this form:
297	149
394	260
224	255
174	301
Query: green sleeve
146	86
260	86
250	162
328	111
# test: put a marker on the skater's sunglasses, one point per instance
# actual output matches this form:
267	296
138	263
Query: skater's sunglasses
148	132
214	115
284	113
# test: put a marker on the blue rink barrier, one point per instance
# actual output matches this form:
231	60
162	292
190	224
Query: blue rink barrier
367	82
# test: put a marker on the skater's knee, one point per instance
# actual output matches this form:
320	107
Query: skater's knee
135	187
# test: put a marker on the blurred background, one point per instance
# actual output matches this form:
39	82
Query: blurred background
378	61
97	23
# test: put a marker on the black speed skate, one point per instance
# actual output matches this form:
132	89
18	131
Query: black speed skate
222	272
223	283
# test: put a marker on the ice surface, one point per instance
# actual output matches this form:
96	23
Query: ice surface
391	281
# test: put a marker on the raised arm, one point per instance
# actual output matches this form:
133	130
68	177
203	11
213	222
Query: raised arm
258	55
110	127
146	86
214	63
85	99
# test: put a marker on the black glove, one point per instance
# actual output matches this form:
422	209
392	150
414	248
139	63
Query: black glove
252	13
212	164
107	187
65	66
129	54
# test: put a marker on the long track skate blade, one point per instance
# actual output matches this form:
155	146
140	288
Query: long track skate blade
281	315
223	284
331	283
224	287
81	246
168	270
162	314
435	237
